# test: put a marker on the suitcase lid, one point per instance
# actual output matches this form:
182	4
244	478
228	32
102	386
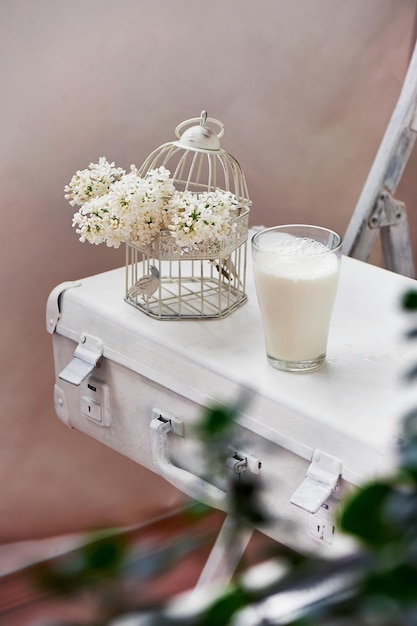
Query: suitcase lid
350	408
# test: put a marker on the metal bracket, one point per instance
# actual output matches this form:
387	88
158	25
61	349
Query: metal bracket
321	479
389	216
387	211
239	462
53	305
86	357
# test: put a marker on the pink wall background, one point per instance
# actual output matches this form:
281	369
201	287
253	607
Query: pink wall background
305	90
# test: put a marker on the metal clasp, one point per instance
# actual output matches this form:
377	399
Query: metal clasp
321	479
86	357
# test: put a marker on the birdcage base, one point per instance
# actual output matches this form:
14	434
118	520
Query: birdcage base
168	282
190	298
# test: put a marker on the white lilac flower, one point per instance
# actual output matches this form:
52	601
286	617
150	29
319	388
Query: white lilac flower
92	182
117	207
207	216
91	220
150	205
98	221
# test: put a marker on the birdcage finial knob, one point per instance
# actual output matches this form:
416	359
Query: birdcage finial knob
200	137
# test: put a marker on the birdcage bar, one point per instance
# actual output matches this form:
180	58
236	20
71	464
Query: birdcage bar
225	174
200	167
190	172
178	174
175	160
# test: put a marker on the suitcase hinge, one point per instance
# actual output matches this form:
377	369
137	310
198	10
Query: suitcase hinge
86	357
321	479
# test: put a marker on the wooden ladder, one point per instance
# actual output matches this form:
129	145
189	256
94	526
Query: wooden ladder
378	212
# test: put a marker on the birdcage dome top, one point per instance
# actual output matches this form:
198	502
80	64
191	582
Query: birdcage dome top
200	136
196	160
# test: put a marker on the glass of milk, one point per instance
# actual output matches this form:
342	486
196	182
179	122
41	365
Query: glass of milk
296	271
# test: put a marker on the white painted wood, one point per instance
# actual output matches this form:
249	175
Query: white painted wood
385	174
226	553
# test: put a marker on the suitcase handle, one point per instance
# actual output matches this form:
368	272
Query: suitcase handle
193	486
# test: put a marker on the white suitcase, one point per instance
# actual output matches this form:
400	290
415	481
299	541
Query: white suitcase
137	384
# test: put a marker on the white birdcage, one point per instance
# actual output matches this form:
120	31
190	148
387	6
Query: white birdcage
167	281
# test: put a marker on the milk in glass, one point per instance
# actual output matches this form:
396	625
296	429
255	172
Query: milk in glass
296	282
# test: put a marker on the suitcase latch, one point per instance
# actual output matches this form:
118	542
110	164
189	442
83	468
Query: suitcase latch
321	479
86	356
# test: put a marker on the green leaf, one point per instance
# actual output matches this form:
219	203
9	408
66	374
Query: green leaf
398	583
219	420
408	448
401	510
220	613
216	421
364	515
104	555
409	300
245	500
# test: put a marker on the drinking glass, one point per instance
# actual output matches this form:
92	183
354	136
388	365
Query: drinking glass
296	270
